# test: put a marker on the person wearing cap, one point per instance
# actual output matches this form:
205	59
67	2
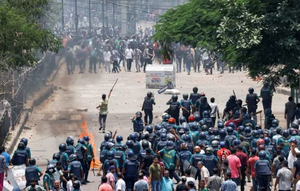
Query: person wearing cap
228	184
182	186
284	178
110	177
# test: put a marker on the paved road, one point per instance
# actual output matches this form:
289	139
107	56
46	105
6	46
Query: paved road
61	115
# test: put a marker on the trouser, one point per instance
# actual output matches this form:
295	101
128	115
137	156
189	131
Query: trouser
148	114
178	64
155	185
115	67
129	183
231	69
137	65
253	111
172	174
121	59
288	121
82	65
70	67
93	63
83	168
214	120
267	103
147	61
107	66
254	184
186	115
236	180
197	66
102	121
263	181
129	61
243	181
188	67
221	66
176	118
86	173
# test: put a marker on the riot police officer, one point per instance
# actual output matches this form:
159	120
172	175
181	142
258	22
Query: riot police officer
185	105
81	152
64	159
48	179
32	172
194	97
183	155
252	100
148	108
130	170
75	167
70	146
262	170
90	156
138	124
109	162
27	149
174	108
266	94
20	156
210	161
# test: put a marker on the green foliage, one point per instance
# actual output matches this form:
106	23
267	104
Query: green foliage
22	33
262	35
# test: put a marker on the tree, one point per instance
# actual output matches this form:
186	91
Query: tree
22	33
262	35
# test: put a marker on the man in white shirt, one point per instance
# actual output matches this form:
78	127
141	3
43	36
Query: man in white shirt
292	155
129	56
120	186
203	172
189	178
107	59
214	110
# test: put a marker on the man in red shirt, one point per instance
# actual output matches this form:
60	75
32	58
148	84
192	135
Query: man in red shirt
250	166
104	185
235	166
243	158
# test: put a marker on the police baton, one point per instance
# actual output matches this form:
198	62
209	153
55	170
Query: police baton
112	88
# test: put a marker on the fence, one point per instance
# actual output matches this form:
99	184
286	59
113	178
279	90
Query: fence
20	85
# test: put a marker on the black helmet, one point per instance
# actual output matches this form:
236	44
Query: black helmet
145	144
107	136
195	89
138	114
185	96
149	94
251	90
174	98
56	156
76	184
25	141
73	157
70	141
82	141
32	161
62	147
21	146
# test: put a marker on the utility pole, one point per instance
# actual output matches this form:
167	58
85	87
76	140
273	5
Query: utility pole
90	18
76	18
103	17
62	16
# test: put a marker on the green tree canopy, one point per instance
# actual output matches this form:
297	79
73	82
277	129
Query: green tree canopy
262	35
23	34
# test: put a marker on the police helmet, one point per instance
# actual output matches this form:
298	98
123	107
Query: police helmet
56	156
32	161
191	118
158	127
184	146
174	98
149	128
231	124
73	157
260	131
257	127
294	126
206	114
119	138
111	140
215	144
197	117
236	142
195	89
275	123
236	114
129	143
145	144
76	184
169	145
182	119
230	130
171	120
262	154
251	90
261	147
267	140
220	125
241	128
197	149
130	154
82	141
193	127
50	168
216	132
293	140
247	130
70	141
204	128
21	146
163	137
110	155
222	133
107	136
149	94
188	138
132	136
166	117
25	141
202	136
109	145
86	138
171	138
185	96
222	144
278	131
209	150
285	134
247	116
138	114
256	134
